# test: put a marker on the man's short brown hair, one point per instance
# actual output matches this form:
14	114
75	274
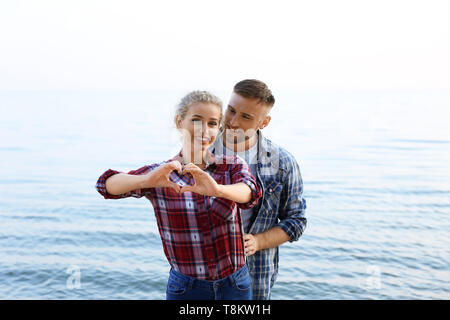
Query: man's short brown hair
255	89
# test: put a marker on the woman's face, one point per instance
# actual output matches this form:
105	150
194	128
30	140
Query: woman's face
200	126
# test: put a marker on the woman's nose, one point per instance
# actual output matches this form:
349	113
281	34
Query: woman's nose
200	129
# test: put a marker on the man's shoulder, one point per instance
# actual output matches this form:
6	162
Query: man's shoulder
285	158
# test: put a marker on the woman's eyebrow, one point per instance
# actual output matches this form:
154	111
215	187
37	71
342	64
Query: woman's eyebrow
199	116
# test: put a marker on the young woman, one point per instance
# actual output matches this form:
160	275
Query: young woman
197	199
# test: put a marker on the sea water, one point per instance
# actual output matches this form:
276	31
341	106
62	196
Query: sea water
376	172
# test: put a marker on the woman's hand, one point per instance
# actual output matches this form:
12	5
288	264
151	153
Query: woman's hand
159	178
204	184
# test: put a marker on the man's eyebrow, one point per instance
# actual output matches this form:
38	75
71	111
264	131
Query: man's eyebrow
247	114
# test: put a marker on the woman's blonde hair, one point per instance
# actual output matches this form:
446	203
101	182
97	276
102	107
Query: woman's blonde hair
195	97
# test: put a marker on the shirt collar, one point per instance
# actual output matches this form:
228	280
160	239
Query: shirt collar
264	147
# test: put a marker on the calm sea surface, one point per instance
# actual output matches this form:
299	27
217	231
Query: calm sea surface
376	171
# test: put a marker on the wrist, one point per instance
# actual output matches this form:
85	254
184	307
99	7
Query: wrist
219	192
259	241
144	181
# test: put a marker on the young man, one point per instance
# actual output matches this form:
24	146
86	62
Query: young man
279	215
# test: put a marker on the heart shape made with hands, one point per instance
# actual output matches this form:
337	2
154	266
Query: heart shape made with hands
175	171
182	174
200	181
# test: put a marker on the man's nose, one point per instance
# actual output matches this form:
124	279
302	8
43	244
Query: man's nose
233	122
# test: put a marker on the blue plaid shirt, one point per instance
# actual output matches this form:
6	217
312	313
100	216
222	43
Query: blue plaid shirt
282	205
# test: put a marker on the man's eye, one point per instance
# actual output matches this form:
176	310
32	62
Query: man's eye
196	120
213	123
232	111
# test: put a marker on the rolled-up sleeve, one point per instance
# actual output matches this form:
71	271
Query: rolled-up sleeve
240	172
138	193
292	204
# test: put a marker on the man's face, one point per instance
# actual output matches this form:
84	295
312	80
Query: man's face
243	117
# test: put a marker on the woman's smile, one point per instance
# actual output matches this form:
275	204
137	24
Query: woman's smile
203	140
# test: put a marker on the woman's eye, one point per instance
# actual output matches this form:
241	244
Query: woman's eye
193	120
213	123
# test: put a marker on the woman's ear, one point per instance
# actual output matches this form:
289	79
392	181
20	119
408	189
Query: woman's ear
178	121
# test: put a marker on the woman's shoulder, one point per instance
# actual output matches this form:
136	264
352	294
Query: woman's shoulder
230	163
228	159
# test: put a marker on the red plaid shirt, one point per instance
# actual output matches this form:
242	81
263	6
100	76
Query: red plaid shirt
202	236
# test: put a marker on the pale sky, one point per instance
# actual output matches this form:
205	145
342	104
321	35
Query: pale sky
185	45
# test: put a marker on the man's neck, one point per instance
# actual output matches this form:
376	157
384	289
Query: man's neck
241	146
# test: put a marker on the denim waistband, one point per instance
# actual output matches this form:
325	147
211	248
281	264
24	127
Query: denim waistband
208	284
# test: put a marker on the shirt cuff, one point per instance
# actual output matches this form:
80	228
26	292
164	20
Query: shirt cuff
293	228
256	193
101	184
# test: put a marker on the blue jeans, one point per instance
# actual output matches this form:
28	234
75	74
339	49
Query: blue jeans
236	286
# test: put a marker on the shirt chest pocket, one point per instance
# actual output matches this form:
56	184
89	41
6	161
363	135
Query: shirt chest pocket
273	193
273	186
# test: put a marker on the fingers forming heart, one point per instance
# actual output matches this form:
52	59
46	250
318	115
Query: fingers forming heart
204	184
182	170
189	169
170	167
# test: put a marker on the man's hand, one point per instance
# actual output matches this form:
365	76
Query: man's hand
271	238
251	244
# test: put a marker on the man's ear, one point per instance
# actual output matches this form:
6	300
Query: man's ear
265	122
